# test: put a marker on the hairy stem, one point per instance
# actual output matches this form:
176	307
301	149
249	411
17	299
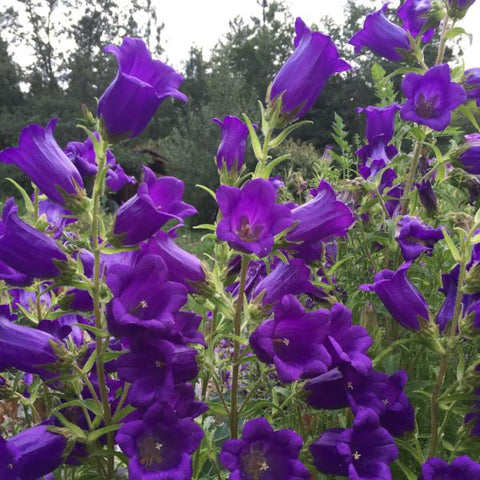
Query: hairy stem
237	321
410	177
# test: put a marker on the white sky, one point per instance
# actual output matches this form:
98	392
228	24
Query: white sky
204	22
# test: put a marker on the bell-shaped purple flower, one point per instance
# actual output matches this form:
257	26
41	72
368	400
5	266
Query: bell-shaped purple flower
157	201
31	454
449	289
283	341
320	218
363	452
431	97
469	160
264	454
153	372
144	298
26	349
13	277
159	447
401	299
137	91
231	151
414	15
83	157
251	216
458	8
462	468
304	75
414	237
57	216
25	249
427	197
472	84
381	36
43	161
183	267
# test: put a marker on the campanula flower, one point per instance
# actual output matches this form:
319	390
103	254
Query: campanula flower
472	84
263	453
137	91
431	97
382	37
460	469
304	75
469	160
251	216
231	151
414	15
427	197
458	8
43	161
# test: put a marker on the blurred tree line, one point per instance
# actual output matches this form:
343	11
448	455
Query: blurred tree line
181	139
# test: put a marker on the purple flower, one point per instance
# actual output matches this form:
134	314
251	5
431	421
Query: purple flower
401	299
458	8
414	15
251	216
462	468
286	278
427	197
137	91
283	342
231	151
159	447
43	161
83	157
449	289
57	216
431	97
304	75
153	372
472	83
26	349
13	277
25	249
382	37
183	267
31	454
144	298
157	201
469	160
264	454
379	132
320	218
363	452
415	237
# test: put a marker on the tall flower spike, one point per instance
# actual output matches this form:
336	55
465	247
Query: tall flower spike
43	161
381	36
137	91
304	75
431	97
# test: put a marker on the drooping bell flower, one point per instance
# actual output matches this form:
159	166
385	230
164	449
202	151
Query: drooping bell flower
26	349
392	203
400	297
379	132
231	151
414	15
256	271
159	447
43	161
157	201
431	97
144	298
284	342
458	8
57	216
263	453
382	37
427	197
153	372
364	451
183	267
251	216
321	218
469	160
31	454
13	277
414	237
303	76
25	249
460	469
137	91
472	84
82	154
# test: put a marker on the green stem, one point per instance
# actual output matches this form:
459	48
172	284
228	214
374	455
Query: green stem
443	42
237	322
97	306
410	177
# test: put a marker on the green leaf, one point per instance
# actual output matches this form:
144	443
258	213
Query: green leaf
257	148
456	31
208	190
280	138
451	246
77	432
26	199
205	226
93	436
